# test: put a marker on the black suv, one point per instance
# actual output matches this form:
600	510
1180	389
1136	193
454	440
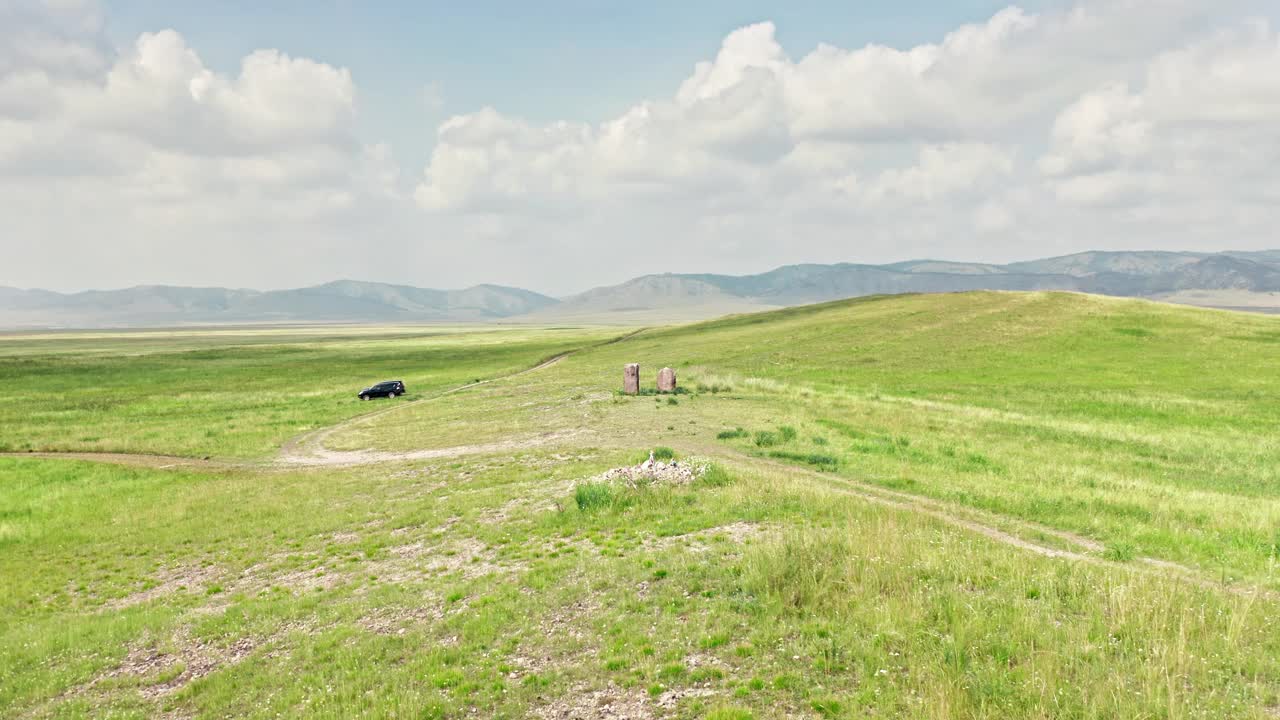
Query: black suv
390	389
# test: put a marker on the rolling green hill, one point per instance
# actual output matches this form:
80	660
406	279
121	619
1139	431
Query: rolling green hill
974	505
1137	423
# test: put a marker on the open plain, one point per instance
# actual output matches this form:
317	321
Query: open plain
972	505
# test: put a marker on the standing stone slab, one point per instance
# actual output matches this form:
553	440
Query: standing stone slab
631	379
666	380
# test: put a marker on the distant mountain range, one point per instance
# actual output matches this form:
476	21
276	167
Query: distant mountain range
1240	280
341	301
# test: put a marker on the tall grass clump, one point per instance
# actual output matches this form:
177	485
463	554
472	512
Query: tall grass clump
825	462
593	496
732	434
800	571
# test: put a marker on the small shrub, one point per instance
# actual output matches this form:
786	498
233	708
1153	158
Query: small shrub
672	671
713	641
819	440
764	438
1120	551
664	453
786	682
593	496
787	433
827	707
534	680
447	678
731	434
672	401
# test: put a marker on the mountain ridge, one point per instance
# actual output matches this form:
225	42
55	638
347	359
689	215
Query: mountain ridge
1237	279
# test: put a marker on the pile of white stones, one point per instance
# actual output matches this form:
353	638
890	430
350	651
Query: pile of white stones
653	471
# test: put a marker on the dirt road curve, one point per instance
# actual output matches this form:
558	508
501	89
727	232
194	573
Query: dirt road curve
162	462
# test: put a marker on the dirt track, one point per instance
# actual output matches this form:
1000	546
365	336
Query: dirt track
161	462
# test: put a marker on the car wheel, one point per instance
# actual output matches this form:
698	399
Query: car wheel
391	395
364	397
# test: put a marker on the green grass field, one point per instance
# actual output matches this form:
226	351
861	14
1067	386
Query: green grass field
984	505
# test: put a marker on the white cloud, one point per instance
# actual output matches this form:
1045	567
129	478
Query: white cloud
145	159
1107	123
998	133
1194	141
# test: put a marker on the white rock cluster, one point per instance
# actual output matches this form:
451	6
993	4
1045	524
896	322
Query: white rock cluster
653	471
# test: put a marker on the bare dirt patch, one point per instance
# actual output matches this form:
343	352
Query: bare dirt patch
615	703
470	557
167	582
185	659
671	699
503	513
420	561
701	541
565	621
611	703
263	576
398	621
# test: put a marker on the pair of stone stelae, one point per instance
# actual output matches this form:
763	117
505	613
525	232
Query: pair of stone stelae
631	379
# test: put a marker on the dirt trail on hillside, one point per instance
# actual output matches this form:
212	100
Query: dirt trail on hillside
316	455
1087	550
161	462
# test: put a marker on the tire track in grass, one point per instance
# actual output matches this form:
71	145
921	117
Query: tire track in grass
1089	550
158	462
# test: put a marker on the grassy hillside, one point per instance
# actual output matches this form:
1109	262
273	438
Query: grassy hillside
1145	426
983	505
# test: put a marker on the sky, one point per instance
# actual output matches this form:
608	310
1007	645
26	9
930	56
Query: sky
559	146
